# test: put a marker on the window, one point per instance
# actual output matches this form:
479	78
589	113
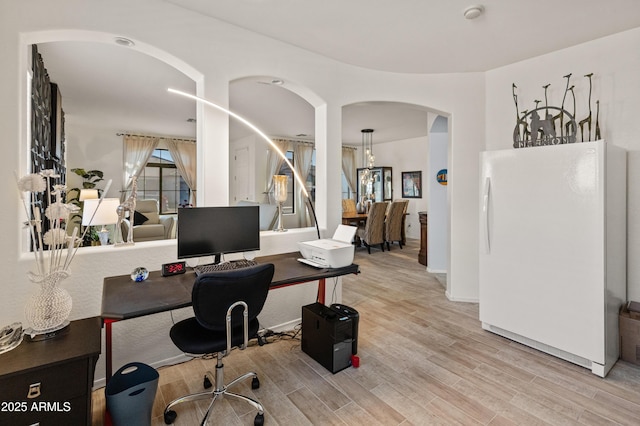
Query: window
161	181
346	191
311	178
289	206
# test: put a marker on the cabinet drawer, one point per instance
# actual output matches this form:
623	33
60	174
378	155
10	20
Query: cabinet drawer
57	383
70	412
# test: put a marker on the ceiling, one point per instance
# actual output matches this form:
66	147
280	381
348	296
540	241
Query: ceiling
426	36
123	89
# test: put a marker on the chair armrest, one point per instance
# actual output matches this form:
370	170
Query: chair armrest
124	229
167	221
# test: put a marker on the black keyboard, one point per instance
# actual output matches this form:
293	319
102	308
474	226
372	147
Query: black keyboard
224	266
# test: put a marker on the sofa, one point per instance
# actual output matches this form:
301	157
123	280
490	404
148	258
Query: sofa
148	223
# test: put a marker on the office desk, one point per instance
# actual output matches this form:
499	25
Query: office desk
123	298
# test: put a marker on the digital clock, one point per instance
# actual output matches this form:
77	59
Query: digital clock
174	268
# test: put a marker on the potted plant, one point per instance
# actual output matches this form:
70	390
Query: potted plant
90	179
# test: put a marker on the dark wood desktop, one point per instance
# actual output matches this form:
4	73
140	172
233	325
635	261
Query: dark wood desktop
124	299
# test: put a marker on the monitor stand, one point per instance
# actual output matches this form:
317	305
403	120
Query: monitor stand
217	258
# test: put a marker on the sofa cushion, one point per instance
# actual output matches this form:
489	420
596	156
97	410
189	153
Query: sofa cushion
139	218
148	233
153	218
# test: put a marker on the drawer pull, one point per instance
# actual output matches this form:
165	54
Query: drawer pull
34	391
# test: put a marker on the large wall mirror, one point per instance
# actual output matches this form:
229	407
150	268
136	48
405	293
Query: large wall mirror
289	120
109	90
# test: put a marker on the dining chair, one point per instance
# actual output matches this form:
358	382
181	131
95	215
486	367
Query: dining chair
348	205
394	222
373	231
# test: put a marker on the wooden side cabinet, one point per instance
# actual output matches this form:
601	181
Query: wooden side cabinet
49	382
422	255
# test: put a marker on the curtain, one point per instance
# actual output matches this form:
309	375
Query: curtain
302	156
136	152
274	162
184	156
349	167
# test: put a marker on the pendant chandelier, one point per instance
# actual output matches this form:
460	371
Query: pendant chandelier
368	159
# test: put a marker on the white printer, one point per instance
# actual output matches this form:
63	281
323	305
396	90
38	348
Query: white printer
335	252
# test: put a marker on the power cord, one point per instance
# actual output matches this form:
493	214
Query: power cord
335	286
270	336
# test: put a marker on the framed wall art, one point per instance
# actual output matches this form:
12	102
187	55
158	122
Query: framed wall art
412	184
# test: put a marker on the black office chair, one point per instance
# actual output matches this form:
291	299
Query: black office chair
226	305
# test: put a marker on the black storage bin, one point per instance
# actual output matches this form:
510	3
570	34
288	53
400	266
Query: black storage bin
353	314
130	394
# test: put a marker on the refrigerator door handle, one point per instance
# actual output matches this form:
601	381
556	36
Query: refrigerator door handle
485	213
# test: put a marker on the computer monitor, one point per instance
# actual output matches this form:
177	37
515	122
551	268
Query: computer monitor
213	231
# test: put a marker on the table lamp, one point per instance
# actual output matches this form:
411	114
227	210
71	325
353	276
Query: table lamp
280	194
88	194
100	213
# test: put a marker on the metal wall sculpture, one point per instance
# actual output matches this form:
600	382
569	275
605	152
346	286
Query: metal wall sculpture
552	125
47	128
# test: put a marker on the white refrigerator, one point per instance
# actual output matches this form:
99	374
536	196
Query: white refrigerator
553	249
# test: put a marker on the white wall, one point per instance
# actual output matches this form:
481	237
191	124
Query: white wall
97	149
616	66
215	53
406	155
438	213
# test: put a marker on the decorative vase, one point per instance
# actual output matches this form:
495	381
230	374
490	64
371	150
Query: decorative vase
48	310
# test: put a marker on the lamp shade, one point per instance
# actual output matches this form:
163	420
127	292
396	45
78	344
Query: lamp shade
104	214
280	187
88	194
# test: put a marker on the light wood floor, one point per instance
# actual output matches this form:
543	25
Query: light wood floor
424	360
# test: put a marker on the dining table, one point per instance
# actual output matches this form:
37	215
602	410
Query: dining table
360	219
349	218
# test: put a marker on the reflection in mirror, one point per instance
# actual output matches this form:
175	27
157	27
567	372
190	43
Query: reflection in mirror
108	92
289	121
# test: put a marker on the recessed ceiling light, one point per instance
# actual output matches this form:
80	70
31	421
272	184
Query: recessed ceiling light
472	12
123	41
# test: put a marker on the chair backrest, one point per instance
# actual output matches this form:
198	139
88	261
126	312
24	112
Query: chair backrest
374	228
147	205
214	292
348	205
393	224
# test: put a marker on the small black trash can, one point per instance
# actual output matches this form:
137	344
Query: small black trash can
130	394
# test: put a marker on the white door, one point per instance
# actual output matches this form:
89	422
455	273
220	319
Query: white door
241	174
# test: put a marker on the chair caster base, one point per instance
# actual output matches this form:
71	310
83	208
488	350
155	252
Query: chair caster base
259	420
170	417
255	383
206	383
